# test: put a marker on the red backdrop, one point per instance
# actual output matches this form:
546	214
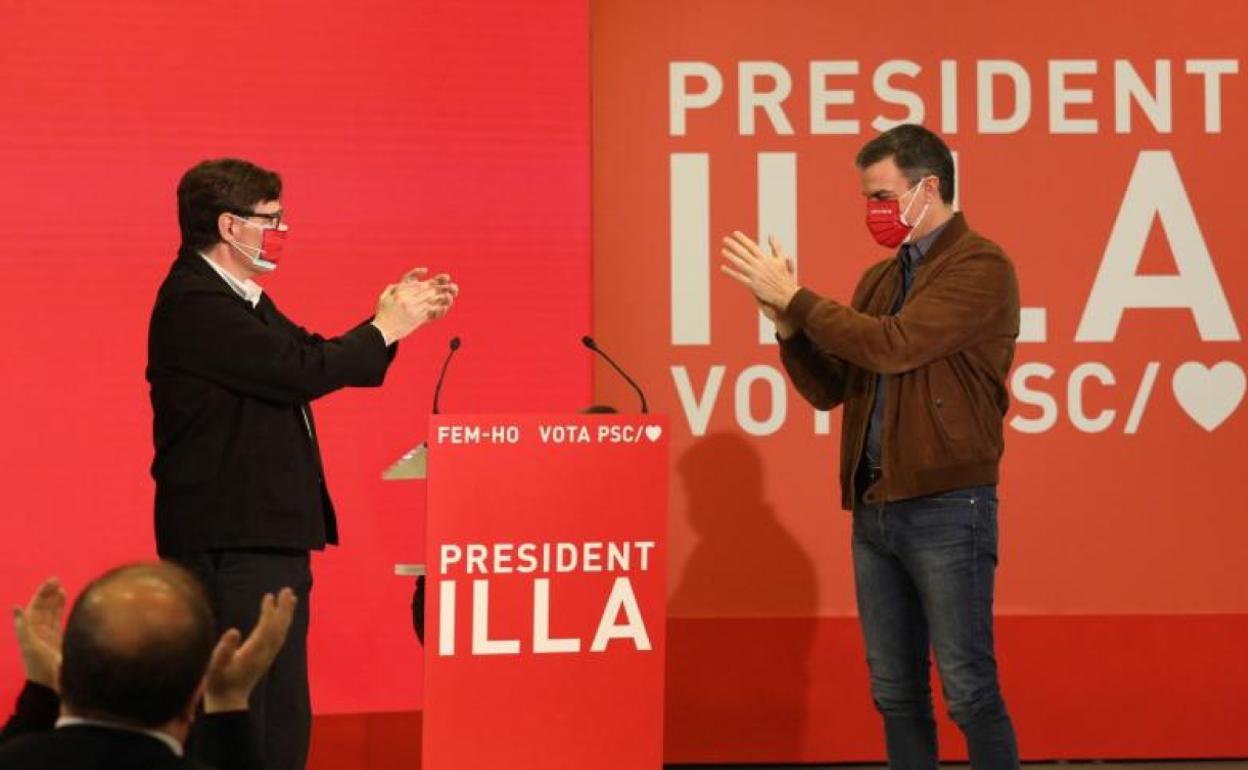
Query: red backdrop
457	135
449	134
1102	156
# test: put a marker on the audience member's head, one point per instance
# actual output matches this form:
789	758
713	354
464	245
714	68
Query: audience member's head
600	409
137	644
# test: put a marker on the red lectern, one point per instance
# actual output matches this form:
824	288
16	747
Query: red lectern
546	605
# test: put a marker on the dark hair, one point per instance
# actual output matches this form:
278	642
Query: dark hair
217	186
916	151
148	682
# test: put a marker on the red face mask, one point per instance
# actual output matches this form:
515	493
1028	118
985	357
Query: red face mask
887	222
272	243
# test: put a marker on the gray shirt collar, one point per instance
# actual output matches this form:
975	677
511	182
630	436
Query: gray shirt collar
917	250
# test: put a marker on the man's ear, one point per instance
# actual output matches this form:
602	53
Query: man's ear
224	222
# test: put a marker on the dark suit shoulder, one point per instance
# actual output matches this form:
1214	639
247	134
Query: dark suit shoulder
192	273
37	709
87	747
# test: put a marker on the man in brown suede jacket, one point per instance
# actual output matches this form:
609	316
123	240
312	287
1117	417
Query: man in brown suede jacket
919	359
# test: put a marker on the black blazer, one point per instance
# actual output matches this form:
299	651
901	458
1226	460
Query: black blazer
92	748
226	742
237	463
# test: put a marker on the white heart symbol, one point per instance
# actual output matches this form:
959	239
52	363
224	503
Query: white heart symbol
1209	395
653	432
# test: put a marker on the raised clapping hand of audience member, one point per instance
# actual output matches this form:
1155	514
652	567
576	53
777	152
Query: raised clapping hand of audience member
237	664
39	627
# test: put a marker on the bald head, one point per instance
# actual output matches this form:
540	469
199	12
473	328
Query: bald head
137	643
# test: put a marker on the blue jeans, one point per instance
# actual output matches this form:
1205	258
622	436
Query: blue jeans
924	571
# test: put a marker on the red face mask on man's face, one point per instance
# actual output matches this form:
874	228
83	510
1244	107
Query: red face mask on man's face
272	243
887	222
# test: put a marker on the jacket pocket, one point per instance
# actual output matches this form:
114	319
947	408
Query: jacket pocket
949	403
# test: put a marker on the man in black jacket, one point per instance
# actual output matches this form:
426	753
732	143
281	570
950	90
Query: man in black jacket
136	656
241	497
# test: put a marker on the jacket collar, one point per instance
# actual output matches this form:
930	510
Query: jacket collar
891	278
191	260
955	228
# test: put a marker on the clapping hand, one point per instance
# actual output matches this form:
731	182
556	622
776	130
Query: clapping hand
39	633
237	665
407	305
771	278
768	276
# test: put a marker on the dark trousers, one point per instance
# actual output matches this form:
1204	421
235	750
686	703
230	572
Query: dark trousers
924	569
281	709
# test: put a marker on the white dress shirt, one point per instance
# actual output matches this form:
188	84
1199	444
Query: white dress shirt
249	290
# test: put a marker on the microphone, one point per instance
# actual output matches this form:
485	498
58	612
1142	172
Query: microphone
437	389
588	342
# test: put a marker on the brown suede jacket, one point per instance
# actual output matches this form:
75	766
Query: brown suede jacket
947	353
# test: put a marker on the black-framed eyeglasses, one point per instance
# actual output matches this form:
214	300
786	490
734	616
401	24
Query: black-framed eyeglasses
275	217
